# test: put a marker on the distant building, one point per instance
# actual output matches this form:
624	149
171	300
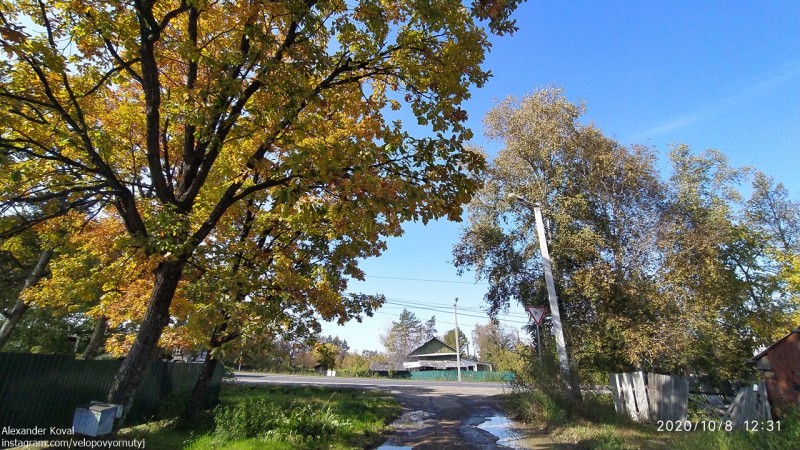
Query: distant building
385	369
438	355
779	365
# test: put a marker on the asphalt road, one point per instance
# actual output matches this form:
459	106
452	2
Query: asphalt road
436	414
367	383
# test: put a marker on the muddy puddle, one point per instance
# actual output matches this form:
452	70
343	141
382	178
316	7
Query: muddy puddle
501	427
407	421
493	423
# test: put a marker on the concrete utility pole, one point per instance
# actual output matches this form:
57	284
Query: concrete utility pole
555	315
458	351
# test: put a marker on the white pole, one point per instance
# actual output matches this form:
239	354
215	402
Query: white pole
458	350
555	315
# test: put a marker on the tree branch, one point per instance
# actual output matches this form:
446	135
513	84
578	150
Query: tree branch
149	31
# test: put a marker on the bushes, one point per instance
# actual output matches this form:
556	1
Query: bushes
539	394
173	405
534	406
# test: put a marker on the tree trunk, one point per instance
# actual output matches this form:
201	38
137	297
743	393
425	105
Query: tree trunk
129	376
197	402
577	395
100	328
13	316
218	338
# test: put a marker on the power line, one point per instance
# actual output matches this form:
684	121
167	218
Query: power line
442	310
474	308
427	280
418	303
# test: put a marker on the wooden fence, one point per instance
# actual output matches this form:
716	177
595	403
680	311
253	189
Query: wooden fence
751	404
43	390
656	397
466	375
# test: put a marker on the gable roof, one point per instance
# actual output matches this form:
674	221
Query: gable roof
434	346
763	353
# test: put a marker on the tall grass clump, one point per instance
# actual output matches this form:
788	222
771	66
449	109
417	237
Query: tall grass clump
263	419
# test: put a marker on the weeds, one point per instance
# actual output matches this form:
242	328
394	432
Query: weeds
263	418
283	417
538	400
787	438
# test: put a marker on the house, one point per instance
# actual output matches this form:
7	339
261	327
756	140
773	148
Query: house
779	365
438	355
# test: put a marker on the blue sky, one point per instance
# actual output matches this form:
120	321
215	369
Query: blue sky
722	75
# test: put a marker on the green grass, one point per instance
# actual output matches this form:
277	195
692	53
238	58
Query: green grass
280	417
599	427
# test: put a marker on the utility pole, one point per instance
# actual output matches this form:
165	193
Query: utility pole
458	351
555	315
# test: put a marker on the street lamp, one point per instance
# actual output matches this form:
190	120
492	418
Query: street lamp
561	345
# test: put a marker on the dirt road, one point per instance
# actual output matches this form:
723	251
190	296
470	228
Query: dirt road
436	415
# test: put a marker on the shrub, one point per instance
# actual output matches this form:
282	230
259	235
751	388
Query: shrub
173	405
540	395
534	406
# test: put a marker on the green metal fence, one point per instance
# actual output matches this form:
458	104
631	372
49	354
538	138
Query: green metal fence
466	375
43	390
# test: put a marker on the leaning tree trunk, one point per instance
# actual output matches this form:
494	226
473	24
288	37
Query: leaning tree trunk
13	317
219	337
197	402
100	328
130	375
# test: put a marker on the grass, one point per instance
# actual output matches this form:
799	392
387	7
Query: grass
598	427
279	417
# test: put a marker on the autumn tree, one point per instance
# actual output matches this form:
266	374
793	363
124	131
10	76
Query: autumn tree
720	278
774	219
22	264
492	343
354	365
26	317
600	201
671	275
175	114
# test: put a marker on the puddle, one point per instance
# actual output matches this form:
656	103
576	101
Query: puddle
500	427
411	419
407	421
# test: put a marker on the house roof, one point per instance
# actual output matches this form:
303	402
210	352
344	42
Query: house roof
434	346
385	367
444	363
763	353
439	365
